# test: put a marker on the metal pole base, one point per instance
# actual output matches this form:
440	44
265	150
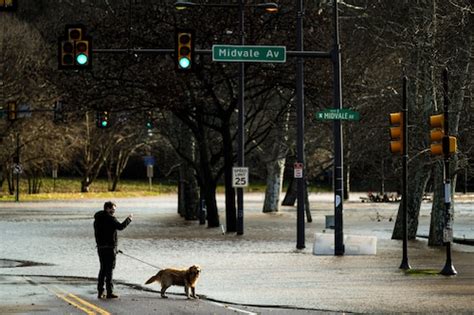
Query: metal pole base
448	270
404	265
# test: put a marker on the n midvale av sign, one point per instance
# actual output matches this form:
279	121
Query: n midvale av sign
235	53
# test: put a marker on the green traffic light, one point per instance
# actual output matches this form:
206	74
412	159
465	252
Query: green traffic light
184	63
104	123
82	59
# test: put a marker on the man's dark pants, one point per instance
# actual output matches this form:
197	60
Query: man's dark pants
107	265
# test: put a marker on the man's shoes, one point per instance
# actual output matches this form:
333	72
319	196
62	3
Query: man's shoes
112	296
101	295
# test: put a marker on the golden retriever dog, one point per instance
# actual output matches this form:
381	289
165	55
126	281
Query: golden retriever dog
182	277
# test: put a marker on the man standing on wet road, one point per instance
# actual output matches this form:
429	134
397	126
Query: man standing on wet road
105	229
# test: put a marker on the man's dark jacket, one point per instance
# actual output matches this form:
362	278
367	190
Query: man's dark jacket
105	228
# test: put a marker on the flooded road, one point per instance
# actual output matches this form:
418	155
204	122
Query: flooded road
261	267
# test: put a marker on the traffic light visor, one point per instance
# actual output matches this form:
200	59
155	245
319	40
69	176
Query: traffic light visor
396	118
75	34
437	121
395	132
436	148
82	59
396	146
184	63
436	135
185	38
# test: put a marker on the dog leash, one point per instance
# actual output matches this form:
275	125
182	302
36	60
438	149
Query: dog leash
120	252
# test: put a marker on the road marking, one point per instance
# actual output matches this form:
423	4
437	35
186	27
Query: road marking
232	308
74	300
85	310
92	306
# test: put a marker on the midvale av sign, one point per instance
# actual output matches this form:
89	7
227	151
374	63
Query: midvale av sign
235	53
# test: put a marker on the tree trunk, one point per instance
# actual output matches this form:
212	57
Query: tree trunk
11	185
273	188
188	193
85	183
419	176
275	166
181	191
421	98
230	208
458	80
211	205
290	196
307	208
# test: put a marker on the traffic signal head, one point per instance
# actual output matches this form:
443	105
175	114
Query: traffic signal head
103	120
8	5
184	50
82	53
441	143
75	49
149	120
12	111
396	132
437	134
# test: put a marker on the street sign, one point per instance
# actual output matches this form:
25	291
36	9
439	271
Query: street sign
240	177
447	235
24	110
236	53
298	170
17	169
337	114
149	160
149	171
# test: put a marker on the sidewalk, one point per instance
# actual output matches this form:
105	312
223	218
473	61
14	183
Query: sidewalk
260	268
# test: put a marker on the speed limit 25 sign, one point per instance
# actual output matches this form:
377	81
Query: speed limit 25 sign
240	176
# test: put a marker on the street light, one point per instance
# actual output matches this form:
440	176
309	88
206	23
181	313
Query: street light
269	7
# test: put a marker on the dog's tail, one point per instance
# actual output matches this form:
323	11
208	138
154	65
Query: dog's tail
154	278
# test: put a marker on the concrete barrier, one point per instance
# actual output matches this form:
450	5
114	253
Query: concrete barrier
353	244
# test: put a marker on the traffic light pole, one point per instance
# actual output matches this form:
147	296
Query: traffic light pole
241	122
405	265
300	182
17	194
448	269
338	142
